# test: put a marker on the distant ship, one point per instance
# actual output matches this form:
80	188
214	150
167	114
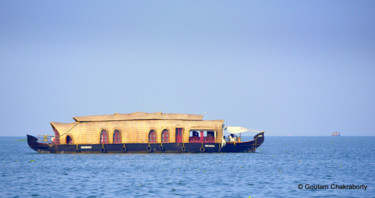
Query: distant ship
336	134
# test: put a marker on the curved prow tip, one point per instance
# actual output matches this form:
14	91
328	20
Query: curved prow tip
32	141
259	135
259	138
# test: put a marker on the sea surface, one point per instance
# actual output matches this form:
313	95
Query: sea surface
275	170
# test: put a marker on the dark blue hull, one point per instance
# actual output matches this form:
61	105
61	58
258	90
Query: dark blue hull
249	146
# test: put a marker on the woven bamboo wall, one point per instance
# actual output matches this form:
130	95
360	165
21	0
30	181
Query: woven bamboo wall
134	131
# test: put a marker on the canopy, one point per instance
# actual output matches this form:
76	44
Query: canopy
236	130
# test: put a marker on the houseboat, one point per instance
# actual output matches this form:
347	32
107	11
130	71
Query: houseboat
143	133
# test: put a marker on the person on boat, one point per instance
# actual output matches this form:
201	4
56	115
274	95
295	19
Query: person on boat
195	135
223	143
232	138
235	138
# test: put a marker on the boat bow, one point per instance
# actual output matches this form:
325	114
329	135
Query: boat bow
35	145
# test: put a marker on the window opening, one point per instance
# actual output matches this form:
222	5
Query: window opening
103	137
152	137
165	136
116	137
69	140
202	136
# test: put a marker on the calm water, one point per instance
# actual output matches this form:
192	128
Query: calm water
274	171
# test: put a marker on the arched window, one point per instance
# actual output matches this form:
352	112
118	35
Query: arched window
152	137
116	136
103	137
69	139
165	136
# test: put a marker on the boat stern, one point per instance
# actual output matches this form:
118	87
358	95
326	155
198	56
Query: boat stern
258	140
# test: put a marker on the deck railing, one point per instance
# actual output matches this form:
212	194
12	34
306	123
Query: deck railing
238	139
209	139
205	140
45	139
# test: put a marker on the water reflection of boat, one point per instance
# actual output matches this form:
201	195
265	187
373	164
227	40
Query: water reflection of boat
143	132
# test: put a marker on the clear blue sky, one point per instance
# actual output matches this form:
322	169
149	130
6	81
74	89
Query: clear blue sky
286	67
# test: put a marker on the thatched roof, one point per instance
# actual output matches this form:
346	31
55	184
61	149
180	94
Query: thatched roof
138	116
63	127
